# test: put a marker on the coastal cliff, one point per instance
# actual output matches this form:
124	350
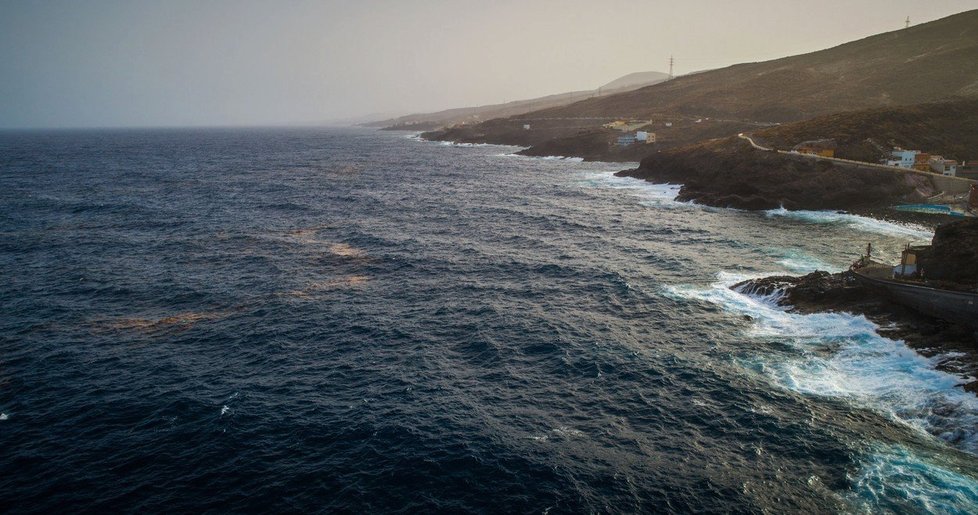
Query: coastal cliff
730	173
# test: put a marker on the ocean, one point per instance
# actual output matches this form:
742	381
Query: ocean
350	320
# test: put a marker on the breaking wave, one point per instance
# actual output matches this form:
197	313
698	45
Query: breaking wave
898	481
842	355
861	223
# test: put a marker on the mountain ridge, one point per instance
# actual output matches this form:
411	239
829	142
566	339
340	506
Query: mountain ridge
923	63
460	115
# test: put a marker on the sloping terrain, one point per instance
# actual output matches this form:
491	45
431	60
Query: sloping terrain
925	63
448	117
946	128
729	173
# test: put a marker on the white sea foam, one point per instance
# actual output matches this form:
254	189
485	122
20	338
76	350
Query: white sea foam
842	355
861	223
541	158
465	145
224	410
649	194
798	262
896	480
4	416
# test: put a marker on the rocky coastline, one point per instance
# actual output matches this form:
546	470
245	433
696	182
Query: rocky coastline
953	257
823	291
729	173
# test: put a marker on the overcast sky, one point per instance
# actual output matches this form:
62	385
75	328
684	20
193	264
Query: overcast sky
237	62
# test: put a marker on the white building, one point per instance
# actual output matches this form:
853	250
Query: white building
902	158
648	137
943	166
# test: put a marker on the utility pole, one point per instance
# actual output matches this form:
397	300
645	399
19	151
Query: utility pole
670	66
908	22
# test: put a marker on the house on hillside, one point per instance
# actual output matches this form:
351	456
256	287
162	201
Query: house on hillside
943	166
626	139
817	147
921	162
967	171
647	137
902	158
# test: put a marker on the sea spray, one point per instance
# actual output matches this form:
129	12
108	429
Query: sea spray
861	223
894	479
842	355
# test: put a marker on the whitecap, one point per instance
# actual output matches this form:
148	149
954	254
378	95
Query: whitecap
861	223
896	480
649	194
4	416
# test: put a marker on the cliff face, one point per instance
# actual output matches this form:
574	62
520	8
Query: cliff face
953	254
729	173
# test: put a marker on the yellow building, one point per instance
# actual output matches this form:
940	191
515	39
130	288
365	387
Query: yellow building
818	147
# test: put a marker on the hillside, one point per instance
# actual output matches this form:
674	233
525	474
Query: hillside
448	117
924	63
635	80
727	172
946	128
927	63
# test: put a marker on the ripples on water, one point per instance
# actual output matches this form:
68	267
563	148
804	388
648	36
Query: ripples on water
350	320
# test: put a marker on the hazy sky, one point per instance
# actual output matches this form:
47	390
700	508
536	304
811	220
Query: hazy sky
237	62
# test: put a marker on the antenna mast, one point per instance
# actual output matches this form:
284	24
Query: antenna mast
908	22
671	60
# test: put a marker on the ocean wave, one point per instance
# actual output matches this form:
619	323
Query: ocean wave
649	194
799	262
861	223
896	480
842	355
541	158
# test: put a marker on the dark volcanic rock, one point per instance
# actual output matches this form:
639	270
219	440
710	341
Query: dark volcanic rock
729	173
817	291
953	255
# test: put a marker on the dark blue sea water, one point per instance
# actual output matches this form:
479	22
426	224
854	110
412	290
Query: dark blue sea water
321	320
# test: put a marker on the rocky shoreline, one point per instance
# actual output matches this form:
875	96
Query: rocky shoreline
823	291
729	173
951	260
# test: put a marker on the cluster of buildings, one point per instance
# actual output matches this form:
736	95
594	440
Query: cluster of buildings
909	159
922	161
630	138
640	136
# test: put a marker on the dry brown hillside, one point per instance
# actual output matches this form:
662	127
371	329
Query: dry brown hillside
947	128
925	63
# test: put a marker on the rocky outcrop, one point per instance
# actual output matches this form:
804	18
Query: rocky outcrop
953	256
730	173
